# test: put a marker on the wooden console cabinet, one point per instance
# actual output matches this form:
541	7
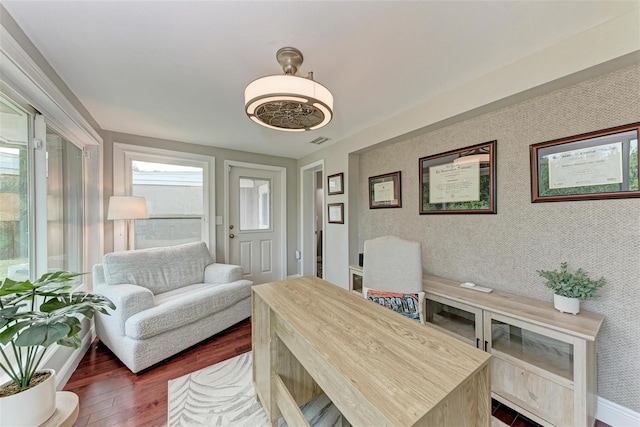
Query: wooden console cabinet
544	362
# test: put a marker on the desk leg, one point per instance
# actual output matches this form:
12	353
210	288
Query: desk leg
264	342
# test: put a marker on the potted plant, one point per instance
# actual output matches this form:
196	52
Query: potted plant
33	316
570	288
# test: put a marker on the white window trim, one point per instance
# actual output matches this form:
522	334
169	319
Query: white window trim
30	85
24	76
122	156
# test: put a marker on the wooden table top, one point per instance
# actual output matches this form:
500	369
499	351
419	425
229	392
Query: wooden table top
401	367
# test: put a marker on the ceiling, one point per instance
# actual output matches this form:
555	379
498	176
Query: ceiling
177	69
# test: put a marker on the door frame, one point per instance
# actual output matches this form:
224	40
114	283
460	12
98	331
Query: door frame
308	264
228	164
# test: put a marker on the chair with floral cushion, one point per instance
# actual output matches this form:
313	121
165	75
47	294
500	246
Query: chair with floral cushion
392	275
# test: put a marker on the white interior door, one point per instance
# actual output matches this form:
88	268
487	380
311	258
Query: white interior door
255	225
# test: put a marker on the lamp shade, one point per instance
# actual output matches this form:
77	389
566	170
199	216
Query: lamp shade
127	207
288	102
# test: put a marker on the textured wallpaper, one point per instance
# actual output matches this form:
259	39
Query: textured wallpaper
503	251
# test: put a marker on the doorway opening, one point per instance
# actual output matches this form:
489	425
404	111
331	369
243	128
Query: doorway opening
312	219
318	220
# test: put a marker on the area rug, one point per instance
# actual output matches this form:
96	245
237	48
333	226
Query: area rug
222	395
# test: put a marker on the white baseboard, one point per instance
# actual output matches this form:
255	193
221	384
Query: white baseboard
293	276
65	372
616	415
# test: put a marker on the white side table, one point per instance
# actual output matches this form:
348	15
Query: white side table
67	407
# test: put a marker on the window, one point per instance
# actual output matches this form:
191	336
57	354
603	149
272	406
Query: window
179	191
15	255
64	204
255	204
174	201
39	230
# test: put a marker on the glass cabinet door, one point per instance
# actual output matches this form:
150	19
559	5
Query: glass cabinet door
459	320
508	338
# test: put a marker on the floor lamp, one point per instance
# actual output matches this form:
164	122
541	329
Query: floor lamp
127	208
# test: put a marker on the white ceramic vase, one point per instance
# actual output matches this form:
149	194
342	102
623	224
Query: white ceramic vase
31	407
566	305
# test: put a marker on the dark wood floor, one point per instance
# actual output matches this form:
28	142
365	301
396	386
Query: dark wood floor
110	395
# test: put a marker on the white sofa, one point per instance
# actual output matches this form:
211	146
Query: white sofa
167	299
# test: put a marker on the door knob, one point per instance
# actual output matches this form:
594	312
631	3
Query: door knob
231	236
231	227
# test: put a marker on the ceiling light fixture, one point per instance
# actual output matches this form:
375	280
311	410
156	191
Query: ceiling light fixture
288	102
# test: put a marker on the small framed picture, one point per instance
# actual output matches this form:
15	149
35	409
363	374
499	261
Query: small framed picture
336	213
385	191
335	184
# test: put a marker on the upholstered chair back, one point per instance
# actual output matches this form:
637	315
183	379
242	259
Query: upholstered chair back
392	264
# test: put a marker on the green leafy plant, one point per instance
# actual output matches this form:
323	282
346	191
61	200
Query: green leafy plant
571	285
33	316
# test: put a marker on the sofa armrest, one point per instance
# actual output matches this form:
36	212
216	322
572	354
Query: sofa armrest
222	273
129	299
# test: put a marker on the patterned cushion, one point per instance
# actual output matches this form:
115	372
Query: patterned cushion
410	305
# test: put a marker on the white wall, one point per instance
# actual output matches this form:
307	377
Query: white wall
604	48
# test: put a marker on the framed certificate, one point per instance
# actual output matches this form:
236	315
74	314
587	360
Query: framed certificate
385	191
335	184
459	181
596	165
336	213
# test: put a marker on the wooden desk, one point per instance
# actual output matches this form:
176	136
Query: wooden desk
377	367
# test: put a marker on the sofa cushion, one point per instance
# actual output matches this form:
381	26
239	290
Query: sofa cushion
158	269
180	307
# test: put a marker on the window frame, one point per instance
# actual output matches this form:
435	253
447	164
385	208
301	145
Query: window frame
124	154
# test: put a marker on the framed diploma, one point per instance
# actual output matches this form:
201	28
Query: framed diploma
460	181
336	213
596	165
385	191
334	184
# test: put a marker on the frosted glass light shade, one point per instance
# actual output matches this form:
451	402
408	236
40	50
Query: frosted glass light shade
127	207
288	103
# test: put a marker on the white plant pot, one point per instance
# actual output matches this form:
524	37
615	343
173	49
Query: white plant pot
566	305
31	407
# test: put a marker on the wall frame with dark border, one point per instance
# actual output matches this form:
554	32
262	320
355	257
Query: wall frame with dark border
595	165
335	213
461	181
385	191
335	184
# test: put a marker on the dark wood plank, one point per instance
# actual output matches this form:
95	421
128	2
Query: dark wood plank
111	395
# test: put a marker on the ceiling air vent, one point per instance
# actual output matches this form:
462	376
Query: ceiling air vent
319	140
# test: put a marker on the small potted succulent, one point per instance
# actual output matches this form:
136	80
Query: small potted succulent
570	288
34	316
